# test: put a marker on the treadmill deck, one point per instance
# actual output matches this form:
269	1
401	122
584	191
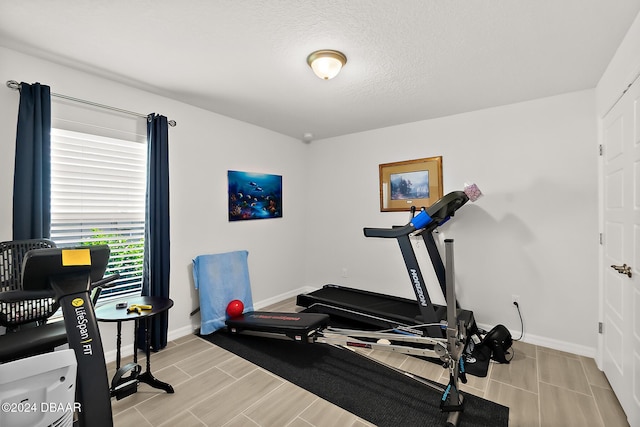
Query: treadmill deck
379	310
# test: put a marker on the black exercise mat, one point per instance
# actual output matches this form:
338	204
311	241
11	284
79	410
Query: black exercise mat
363	387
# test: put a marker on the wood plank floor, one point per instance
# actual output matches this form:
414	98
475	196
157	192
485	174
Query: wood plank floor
542	388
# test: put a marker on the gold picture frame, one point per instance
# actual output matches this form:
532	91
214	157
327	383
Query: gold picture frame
410	183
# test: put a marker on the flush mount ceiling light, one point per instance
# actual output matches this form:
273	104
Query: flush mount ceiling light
326	63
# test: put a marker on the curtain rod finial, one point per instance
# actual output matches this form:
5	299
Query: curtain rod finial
12	84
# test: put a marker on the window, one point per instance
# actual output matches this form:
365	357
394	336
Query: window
98	189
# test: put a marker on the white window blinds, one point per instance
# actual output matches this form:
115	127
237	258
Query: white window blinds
98	197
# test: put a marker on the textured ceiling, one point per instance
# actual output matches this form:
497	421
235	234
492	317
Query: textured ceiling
408	60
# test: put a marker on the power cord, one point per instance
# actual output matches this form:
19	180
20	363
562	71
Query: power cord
521	321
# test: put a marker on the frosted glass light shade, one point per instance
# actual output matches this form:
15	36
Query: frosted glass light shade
326	64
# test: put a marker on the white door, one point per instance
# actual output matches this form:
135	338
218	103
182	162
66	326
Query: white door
621	244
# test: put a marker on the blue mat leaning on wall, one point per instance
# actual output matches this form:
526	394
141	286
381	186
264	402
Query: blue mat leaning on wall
221	278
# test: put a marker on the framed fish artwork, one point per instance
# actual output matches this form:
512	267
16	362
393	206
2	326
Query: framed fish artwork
254	195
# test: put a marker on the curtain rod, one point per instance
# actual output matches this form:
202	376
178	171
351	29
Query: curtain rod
12	84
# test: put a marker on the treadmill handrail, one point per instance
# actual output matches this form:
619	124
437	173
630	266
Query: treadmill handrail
390	232
439	213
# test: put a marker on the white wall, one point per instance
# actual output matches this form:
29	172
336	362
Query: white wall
203	147
533	234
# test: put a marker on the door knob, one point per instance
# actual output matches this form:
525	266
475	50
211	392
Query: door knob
622	269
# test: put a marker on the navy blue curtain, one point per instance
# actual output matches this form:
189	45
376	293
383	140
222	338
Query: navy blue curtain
32	173
155	278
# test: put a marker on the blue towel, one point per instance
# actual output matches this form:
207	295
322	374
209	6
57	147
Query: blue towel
221	278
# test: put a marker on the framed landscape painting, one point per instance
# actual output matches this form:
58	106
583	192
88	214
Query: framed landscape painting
410	183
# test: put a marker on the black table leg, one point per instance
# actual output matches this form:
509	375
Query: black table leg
118	344
146	377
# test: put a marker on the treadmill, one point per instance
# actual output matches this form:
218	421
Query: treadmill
382	311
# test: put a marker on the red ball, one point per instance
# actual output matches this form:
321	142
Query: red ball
235	308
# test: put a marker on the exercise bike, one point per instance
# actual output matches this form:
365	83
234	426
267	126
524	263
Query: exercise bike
69	275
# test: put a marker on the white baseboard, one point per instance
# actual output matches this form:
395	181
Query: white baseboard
127	350
179	333
550	343
581	350
278	298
